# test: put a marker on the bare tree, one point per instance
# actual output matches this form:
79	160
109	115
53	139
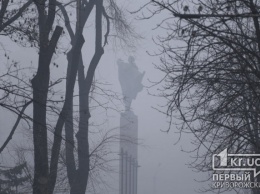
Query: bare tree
78	177
40	85
44	35
10	16
210	57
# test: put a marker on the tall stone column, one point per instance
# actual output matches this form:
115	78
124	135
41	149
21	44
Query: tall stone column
130	79
136	176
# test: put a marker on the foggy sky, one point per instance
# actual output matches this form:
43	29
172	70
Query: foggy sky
163	164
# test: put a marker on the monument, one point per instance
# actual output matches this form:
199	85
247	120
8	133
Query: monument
130	80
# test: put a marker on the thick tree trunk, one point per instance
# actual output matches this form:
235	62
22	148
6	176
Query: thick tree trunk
73	60
80	182
40	85
69	136
40	91
81	179
69	129
69	144
73	63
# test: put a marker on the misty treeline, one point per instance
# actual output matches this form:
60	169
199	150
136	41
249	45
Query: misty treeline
210	54
64	156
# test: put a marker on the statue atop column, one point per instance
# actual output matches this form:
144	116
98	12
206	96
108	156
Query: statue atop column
130	79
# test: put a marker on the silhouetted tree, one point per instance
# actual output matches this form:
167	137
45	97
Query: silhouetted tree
210	56
78	177
40	84
41	32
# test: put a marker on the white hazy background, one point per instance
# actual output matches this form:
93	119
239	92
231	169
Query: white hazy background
164	167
